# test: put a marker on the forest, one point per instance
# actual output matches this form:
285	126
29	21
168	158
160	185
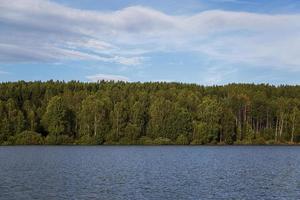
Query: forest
153	113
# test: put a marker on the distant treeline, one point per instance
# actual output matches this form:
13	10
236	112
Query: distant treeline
147	113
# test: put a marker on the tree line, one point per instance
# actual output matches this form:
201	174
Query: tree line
55	112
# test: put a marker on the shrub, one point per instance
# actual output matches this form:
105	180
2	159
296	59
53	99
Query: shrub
145	140
28	137
259	140
125	140
86	139
61	139
271	142
162	141
196	142
182	140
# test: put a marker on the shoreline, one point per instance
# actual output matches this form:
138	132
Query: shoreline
149	145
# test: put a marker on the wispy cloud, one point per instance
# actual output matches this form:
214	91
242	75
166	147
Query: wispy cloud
217	74
106	77
44	31
3	72
235	1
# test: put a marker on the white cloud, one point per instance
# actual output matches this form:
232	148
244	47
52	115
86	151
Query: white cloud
106	77
3	72
44	31
235	1
163	81
129	61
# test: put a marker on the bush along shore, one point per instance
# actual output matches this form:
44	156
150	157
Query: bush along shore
55	112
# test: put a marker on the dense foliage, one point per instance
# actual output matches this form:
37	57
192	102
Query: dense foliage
147	113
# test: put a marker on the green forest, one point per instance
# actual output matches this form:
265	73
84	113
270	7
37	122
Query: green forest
56	112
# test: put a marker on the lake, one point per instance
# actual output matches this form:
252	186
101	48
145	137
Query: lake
150	172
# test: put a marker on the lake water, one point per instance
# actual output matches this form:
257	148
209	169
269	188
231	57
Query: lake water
150	172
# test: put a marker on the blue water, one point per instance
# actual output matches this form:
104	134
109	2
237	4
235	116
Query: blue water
153	172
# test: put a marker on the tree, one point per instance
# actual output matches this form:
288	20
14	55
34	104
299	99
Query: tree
119	118
20	122
294	118
227	123
160	118
149	113
181	124
56	119
14	116
207	125
4	124
136	125
94	118
281	116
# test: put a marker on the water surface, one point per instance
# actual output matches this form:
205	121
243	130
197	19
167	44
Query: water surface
153	172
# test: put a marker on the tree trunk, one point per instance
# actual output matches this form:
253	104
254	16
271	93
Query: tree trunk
118	124
281	125
95	125
276	129
267	125
293	126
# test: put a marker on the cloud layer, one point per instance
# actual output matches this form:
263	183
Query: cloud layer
44	31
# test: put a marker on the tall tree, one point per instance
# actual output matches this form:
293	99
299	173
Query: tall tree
119	118
94	118
57	118
209	113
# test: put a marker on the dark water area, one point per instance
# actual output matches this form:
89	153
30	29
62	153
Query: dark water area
150	172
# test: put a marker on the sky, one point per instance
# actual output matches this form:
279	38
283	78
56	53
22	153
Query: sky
208	42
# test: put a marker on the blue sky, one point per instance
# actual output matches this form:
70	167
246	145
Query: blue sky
194	41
